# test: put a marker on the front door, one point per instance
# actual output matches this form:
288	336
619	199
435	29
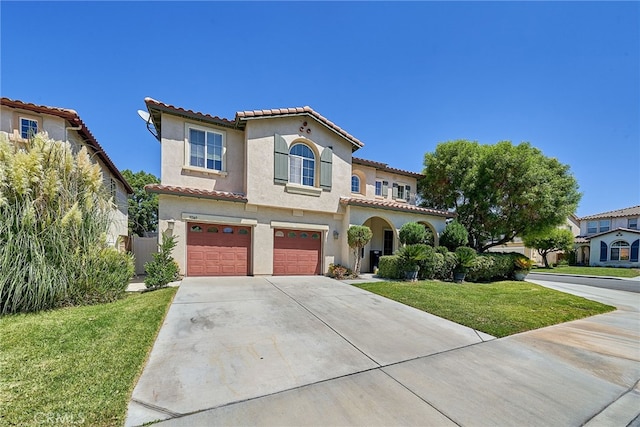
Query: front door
387	248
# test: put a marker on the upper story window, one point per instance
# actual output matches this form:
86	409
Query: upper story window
632	223
378	188
28	127
592	227
302	165
619	251
355	184
401	191
205	148
605	225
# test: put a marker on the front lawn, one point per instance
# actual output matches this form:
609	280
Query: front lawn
77	366
498	309
591	271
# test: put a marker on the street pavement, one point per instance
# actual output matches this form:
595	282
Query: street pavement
315	351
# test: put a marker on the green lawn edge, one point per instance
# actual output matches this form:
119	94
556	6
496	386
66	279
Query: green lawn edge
590	271
78	365
499	308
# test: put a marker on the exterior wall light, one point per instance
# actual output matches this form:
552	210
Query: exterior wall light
336	234
170	224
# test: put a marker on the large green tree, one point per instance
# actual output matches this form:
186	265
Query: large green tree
554	240
143	206
498	191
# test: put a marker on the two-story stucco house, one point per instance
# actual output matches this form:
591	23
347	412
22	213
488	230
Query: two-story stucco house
273	192
19	120
610	238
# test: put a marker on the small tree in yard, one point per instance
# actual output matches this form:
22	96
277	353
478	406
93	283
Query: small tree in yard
454	236
357	237
557	239
413	233
163	269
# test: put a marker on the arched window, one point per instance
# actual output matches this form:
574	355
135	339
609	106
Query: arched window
619	251
302	165
355	184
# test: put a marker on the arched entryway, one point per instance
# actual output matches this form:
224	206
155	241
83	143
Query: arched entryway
430	229
383	242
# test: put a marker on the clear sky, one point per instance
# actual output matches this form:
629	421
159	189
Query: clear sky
401	77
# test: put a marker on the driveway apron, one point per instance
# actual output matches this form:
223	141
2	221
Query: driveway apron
314	351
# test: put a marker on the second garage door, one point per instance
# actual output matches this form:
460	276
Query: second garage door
296	252
218	250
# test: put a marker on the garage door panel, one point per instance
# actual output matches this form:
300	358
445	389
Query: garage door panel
215	250
296	252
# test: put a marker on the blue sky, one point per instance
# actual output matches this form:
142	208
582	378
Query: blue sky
401	77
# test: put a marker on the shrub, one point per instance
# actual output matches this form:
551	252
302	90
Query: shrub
102	276
442	250
492	266
412	256
389	267
163	269
466	257
339	272
412	233
454	236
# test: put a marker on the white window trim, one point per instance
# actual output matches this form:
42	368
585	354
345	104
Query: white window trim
186	166
31	119
316	164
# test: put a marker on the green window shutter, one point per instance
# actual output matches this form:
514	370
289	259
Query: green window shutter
326	159
385	188
394	192
281	160
407	193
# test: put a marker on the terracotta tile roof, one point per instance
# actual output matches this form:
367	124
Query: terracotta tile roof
632	211
194	192
74	119
297	111
385	167
580	239
155	107
383	204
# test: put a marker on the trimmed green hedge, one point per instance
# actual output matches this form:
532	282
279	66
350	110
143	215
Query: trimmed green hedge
440	264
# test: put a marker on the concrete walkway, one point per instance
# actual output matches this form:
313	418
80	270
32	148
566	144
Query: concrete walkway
314	351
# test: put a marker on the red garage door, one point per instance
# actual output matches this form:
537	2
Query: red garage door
218	250
296	252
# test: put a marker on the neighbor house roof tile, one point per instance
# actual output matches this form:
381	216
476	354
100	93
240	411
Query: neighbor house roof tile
72	117
383	204
632	211
195	192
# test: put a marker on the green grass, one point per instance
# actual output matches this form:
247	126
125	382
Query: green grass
591	271
498	309
77	366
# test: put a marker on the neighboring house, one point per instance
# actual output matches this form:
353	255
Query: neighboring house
516	245
610	238
273	192
19	120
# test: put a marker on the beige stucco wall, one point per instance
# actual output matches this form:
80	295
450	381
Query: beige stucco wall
372	175
261	189
175	169
615	223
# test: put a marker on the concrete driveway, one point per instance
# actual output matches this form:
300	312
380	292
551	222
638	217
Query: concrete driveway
314	351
